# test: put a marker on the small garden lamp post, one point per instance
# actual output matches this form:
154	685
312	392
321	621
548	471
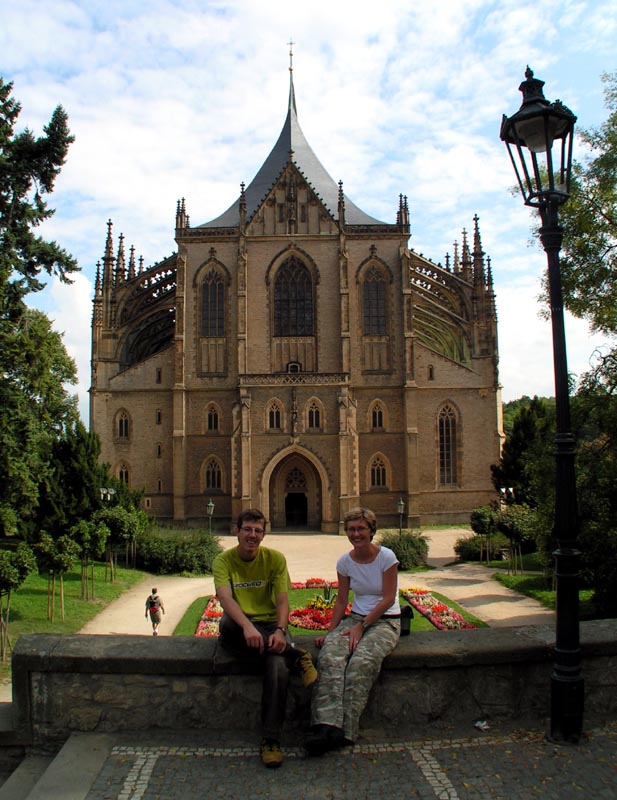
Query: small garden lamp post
210	513
507	495
544	180
401	510
107	493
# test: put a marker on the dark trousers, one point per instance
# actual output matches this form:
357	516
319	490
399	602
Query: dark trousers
275	668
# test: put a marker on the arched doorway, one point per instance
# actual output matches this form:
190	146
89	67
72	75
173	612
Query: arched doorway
295	494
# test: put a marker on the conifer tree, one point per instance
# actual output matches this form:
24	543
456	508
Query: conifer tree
34	366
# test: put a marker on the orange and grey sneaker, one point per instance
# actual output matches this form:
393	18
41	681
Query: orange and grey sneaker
271	755
305	667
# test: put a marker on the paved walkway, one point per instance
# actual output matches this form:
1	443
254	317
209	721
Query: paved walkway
314	555
501	764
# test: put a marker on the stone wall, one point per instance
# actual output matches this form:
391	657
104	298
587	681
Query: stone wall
81	683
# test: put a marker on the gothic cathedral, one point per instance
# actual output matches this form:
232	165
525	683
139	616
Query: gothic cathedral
295	355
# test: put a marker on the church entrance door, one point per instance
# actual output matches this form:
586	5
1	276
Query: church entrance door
296	510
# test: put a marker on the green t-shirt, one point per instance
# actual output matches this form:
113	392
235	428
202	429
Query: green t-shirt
255	583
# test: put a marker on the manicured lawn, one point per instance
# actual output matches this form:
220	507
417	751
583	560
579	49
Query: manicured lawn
535	586
28	613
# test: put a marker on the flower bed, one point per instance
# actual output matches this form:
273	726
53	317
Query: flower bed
437	613
209	623
315	616
314	583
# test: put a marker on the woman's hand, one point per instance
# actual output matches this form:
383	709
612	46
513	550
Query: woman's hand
319	640
355	634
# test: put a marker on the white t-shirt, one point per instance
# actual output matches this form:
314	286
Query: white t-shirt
366	580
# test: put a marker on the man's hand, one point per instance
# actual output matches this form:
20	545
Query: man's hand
277	642
253	638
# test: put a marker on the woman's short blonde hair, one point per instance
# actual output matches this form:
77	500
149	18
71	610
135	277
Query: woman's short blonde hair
361	513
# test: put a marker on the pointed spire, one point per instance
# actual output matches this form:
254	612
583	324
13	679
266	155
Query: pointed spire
402	215
181	217
466	257
132	263
291	147
341	204
109	242
242	205
292	94
120	264
108	257
478	254
97	280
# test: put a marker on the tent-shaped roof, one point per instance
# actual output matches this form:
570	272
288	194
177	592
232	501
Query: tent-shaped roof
292	147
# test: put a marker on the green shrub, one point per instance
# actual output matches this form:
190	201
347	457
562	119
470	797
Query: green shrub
167	554
483	520
410	547
473	548
520	524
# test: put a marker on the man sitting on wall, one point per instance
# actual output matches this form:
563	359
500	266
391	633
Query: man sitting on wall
252	585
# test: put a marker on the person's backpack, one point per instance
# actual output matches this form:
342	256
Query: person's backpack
153	604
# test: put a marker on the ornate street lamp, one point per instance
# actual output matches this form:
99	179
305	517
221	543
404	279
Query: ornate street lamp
544	179
210	509
401	510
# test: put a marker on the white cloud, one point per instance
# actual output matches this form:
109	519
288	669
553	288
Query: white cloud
185	98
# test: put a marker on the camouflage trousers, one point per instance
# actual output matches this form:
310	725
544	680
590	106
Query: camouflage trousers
345	679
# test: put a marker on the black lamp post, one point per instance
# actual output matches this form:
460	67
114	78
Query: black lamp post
401	510
530	136
210	513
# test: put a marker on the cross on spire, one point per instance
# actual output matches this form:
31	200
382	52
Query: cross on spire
291	54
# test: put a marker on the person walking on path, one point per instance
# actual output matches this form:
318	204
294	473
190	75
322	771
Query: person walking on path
252	585
154	607
356	645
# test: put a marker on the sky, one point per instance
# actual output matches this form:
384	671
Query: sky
173	99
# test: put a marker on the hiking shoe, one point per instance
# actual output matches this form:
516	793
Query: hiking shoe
305	667
271	755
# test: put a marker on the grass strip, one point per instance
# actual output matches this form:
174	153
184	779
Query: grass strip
28	612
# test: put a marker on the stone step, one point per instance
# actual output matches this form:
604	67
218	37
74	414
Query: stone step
21	782
66	776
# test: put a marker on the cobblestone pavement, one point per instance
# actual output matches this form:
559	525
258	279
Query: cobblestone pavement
513	765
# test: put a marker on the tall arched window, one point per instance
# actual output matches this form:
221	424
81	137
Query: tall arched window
314	416
213	419
377	417
213	474
293	300
447	446
274	417
378	474
123	425
123	474
213	305
374	303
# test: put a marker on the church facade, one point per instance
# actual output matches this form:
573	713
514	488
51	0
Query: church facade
295	355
